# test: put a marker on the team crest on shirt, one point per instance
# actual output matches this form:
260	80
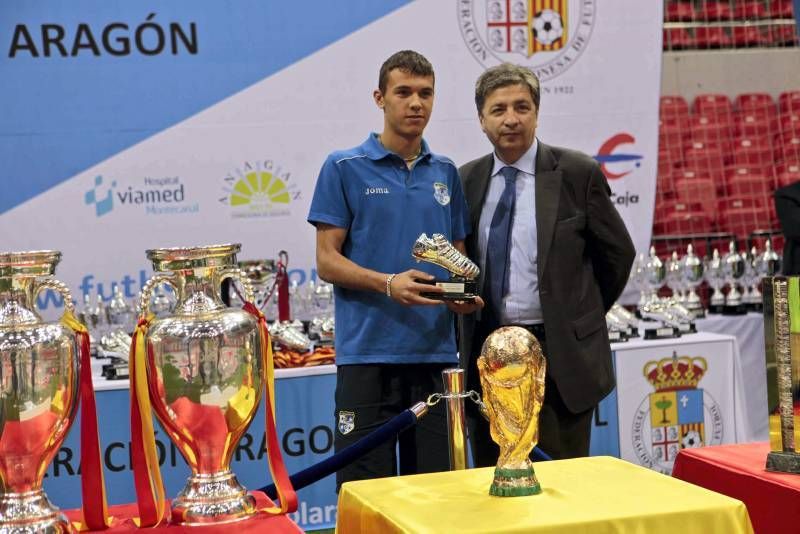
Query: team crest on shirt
347	422
441	193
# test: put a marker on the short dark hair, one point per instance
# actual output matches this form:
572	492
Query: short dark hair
407	61
504	75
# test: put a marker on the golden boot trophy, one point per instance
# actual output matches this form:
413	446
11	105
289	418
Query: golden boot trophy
512	369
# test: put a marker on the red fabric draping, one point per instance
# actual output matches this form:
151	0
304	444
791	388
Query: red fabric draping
772	499
122	521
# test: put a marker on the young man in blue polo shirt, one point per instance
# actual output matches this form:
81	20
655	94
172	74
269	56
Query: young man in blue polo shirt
370	205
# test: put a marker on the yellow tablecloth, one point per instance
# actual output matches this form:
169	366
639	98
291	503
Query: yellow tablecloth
586	495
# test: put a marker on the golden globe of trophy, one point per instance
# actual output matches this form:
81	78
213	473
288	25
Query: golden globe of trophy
39	370
512	369
205	376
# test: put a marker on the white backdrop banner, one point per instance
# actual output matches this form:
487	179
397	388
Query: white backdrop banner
147	124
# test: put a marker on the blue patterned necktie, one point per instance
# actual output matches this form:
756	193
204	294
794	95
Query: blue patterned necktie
499	243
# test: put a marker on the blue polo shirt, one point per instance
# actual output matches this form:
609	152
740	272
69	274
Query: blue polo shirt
385	206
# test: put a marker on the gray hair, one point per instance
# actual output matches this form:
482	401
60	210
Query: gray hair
504	75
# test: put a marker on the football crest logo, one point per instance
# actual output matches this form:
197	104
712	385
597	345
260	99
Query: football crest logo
441	193
347	422
675	416
545	35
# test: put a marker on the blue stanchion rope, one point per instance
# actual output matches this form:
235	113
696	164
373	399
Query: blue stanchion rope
350	453
328	466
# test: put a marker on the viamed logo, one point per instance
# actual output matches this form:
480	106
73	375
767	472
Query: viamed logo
156	196
259	189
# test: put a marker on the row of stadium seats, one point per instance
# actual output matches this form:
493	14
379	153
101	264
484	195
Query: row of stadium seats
715	10
720	161
715	24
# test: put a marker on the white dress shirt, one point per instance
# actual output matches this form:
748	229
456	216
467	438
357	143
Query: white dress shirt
521	305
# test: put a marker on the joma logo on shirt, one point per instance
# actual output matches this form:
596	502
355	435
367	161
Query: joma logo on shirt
376	191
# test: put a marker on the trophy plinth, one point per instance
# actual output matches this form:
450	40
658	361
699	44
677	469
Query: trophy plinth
462	284
512	369
661	332
456	288
783	462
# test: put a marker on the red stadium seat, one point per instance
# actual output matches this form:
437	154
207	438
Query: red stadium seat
750	185
752	151
787	174
667	161
789	101
673	106
745	36
713	105
749	10
715	11
788	147
687	223
783	35
781	9
743	221
705	159
696	190
789	122
677	39
679	12
713	37
757	104
755	124
711	130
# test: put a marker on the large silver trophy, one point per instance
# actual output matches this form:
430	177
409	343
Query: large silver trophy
206	375
715	275
39	370
734	269
693	274
768	263
462	284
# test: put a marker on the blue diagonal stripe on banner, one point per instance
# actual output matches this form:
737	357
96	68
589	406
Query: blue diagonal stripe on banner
71	96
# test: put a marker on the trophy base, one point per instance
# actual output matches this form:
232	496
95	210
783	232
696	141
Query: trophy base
716	308
735	309
31	511
617	336
662	332
688	328
514	482
783	462
755	307
115	371
698	313
454	289
212	499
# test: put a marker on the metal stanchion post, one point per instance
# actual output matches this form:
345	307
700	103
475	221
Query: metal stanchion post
456	427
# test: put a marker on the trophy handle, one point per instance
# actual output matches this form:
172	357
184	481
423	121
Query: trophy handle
147	290
58	287
240	276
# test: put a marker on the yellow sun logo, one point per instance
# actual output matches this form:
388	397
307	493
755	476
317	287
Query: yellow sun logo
259	187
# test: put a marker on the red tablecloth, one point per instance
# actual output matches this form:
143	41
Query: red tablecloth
772	499
122	521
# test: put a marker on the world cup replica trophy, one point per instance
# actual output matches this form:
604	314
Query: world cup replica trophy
782	340
205	372
462	284
512	368
39	371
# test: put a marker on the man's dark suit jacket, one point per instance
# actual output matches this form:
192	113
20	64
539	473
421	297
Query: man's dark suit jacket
584	259
787	204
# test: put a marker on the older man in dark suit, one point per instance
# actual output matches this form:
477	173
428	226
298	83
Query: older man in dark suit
554	256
